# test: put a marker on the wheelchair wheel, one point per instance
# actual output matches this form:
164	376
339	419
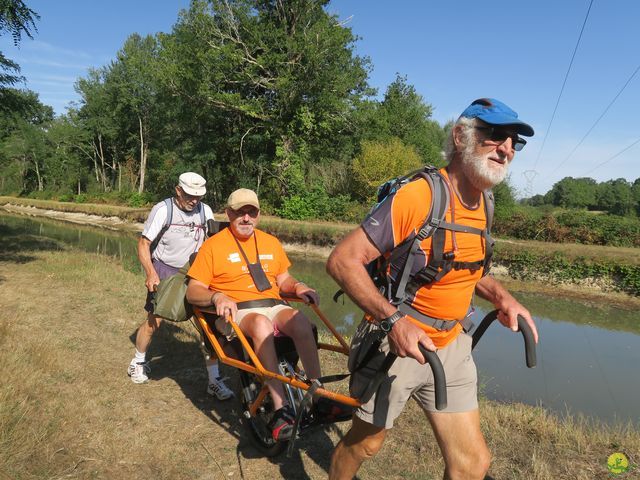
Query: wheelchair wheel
257	425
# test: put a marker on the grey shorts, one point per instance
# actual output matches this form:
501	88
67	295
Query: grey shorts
407	378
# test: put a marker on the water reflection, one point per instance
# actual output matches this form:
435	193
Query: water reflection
588	355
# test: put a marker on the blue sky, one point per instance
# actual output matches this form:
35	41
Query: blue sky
453	52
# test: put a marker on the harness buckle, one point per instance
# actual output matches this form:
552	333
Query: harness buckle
449	256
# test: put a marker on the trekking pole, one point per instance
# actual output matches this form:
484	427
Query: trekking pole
523	327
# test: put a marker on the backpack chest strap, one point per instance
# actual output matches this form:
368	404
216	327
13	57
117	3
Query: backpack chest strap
437	323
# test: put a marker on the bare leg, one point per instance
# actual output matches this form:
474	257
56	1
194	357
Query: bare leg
361	442
294	324
463	447
146	331
260	329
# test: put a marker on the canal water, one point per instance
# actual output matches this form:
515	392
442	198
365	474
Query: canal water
588	355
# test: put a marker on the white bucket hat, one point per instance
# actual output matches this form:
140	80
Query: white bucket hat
192	184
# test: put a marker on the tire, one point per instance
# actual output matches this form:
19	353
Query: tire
257	426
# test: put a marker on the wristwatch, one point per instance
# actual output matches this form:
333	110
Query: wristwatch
386	324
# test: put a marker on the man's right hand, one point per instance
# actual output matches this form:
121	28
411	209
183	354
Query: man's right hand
225	307
152	281
404	338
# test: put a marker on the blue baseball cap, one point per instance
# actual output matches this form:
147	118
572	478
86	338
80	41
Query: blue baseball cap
494	112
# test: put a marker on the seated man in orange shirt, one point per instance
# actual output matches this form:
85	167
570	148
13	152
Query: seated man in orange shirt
242	271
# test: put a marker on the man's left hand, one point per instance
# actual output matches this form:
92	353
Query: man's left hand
508	312
307	294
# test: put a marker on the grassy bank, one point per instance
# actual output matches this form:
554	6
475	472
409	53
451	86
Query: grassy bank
613	269
68	410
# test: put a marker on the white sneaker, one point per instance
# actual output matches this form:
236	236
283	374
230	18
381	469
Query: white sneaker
219	389
138	372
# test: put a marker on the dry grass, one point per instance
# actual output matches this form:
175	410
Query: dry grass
67	409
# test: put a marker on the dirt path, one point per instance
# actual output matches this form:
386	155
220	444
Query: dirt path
70	317
68	410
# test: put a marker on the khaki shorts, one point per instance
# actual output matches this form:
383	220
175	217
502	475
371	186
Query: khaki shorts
227	330
407	378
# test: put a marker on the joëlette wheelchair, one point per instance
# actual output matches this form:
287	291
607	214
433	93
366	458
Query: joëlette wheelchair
254	395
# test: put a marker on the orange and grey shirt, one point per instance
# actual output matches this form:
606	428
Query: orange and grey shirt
221	266
404	212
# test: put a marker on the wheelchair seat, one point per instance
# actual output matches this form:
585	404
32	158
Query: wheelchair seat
285	347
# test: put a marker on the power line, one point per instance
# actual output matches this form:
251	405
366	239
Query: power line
575	50
611	158
596	122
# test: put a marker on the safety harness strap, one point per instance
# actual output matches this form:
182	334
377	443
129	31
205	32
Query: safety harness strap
437	323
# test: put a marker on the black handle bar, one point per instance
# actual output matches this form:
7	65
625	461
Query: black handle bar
523	326
439	379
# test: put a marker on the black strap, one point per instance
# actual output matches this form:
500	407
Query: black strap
437	323
260	303
244	255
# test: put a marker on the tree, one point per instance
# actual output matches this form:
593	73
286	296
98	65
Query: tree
22	141
635	190
270	84
15	18
615	197
404	114
573	193
380	161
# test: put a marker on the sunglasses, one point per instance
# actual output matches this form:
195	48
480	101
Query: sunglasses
251	211
499	136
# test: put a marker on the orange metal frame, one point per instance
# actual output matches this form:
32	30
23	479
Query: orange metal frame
258	369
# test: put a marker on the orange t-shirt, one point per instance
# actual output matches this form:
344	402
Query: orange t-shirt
405	212
220	265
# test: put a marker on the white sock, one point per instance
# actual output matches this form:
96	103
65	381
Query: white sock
214	372
139	357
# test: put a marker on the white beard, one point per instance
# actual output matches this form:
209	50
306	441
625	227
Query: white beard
480	171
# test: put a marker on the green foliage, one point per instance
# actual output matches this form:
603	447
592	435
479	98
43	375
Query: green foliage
138	200
556	267
618	197
314	204
380	161
569	226
16	19
404	114
505	202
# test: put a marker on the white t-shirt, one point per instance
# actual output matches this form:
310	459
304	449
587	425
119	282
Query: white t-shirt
183	237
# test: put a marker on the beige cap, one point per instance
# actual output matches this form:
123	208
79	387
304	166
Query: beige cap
192	184
242	197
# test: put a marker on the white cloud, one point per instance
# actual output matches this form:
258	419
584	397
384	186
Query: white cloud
39	46
52	63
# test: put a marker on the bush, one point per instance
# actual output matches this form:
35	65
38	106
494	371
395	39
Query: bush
569	226
138	200
556	267
315	204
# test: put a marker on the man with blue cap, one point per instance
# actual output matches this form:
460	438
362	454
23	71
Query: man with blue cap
449	266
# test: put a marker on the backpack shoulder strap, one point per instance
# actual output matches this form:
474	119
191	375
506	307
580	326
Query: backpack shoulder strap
203	220
435	216
169	204
167	222
489	207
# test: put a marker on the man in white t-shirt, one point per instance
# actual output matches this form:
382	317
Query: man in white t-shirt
164	246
